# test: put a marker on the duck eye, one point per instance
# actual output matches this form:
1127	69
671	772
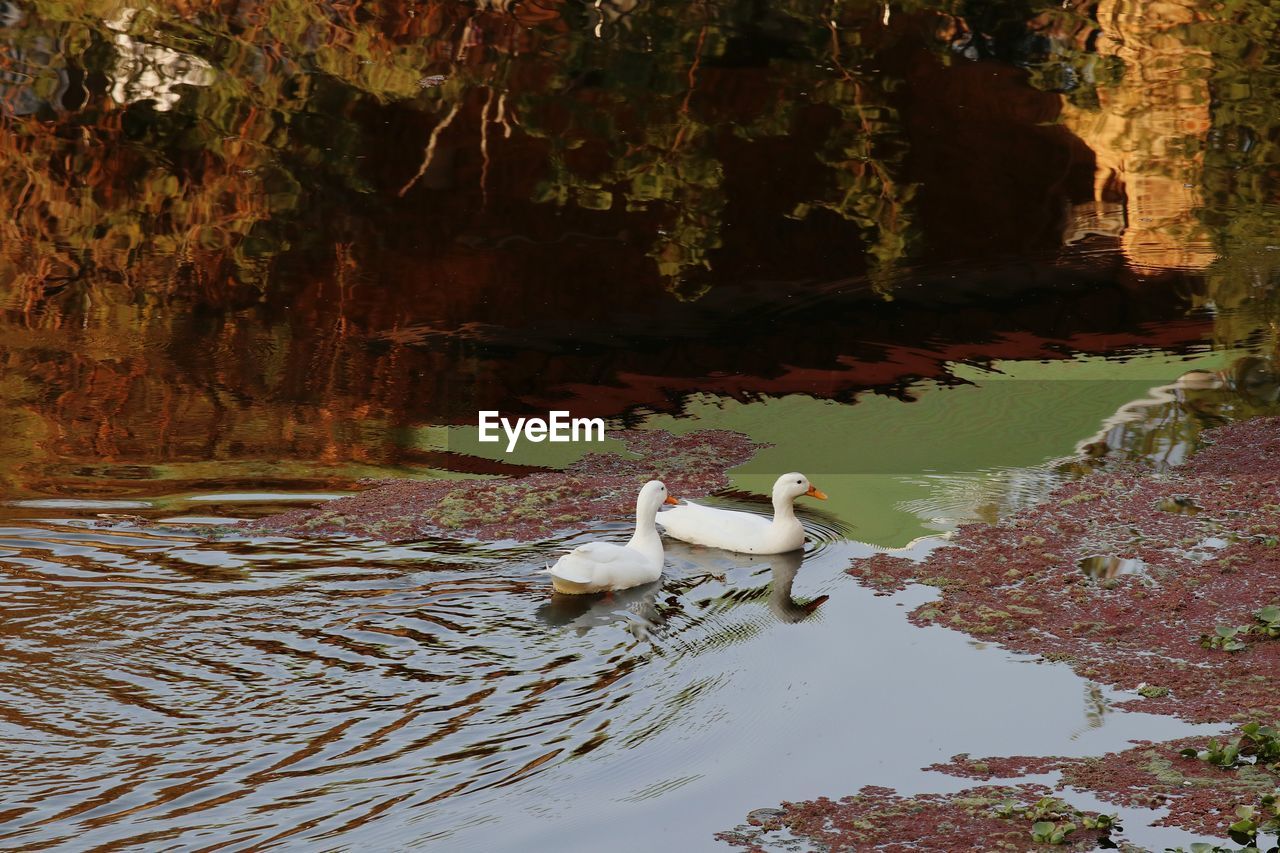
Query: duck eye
799	482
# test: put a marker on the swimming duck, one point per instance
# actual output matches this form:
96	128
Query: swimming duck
742	531
605	566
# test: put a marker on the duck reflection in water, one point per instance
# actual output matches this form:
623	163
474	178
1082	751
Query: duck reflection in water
781	603
589	611
655	604
715	565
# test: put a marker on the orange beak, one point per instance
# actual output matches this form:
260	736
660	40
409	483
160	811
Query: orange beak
671	500
814	493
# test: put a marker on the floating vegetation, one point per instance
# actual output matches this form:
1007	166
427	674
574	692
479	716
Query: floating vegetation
1264	817
1230	638
1250	822
1259	746
1225	637
525	508
1055	821
1256	744
985	818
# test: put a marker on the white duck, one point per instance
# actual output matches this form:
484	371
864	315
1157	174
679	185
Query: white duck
604	566
742	531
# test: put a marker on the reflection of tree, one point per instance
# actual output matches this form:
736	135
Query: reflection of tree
176	147
205	135
160	158
1241	179
639	143
865	149
632	109
1163	427
662	158
661	137
1177	100
1146	129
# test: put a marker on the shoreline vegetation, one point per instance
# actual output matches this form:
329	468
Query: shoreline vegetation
1158	584
534	506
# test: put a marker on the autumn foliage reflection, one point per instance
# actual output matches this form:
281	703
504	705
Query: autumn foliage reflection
261	231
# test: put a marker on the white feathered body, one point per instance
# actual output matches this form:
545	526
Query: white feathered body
606	566
733	531
602	566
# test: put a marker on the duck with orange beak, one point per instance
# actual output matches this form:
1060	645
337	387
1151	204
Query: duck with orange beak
743	531
607	566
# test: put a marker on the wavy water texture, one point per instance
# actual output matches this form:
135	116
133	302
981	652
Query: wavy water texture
256	253
155	685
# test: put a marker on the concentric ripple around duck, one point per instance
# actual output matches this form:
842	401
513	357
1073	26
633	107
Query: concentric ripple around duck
166	688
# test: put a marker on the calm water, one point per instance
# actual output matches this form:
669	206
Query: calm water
938	254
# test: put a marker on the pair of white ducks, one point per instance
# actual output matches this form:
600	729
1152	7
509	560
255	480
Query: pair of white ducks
604	566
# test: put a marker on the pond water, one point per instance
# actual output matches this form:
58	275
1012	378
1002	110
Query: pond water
939	255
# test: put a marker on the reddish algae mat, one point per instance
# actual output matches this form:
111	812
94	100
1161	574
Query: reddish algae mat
988	818
598	486
1156	582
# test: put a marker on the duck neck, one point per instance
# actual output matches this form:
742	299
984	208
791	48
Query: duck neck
784	511
646	539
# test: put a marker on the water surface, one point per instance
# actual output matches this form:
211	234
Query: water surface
940	255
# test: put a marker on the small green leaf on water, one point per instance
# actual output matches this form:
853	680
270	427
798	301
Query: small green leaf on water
1243	831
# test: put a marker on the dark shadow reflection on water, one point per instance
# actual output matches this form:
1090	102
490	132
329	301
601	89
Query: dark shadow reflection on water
781	603
588	611
776	595
689	567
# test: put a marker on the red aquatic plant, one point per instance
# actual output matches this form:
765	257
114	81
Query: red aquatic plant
1200	547
1199	796
983	818
1122	572
535	506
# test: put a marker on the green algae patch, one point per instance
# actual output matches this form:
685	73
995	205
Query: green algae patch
598	486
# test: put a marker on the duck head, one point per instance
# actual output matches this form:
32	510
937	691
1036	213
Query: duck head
794	485
653	495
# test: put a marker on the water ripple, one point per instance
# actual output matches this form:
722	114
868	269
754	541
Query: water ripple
158	686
